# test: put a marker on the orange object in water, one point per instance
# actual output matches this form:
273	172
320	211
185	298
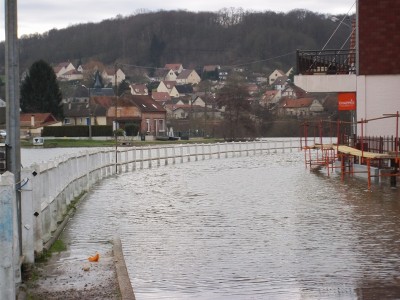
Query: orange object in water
94	258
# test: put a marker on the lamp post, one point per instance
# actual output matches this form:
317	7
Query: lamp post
89	113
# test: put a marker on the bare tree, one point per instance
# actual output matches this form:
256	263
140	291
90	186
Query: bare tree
233	97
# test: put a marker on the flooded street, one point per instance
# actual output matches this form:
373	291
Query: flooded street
259	227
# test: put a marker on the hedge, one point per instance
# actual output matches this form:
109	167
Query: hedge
77	131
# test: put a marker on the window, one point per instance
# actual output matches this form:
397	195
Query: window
147	125
67	121
160	126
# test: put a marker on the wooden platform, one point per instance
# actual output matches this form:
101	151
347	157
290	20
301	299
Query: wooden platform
366	154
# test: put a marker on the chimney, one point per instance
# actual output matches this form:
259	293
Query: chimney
32	120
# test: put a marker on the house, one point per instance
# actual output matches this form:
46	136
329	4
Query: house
31	124
188	77
160	96
71	75
164	75
300	107
223	74
92	112
184	89
168	87
293	91
110	75
274	75
252	88
195	112
63	68
139	89
270	97
140	109
210	72
280	83
177	68
211	68
260	78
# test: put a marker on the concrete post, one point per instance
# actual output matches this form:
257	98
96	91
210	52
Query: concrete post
141	158
158	157
7	233
126	161
149	157
87	172
181	150
37	210
134	159
166	156
27	215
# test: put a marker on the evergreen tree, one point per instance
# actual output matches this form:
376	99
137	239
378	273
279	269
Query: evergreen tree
40	92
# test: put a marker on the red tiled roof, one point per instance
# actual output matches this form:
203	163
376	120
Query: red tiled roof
40	119
297	103
210	68
144	102
173	67
160	96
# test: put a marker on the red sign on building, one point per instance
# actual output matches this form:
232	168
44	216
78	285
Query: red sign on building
346	101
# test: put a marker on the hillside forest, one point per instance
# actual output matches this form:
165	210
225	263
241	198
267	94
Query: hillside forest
258	41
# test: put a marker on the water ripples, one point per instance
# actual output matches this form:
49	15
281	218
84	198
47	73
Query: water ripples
259	227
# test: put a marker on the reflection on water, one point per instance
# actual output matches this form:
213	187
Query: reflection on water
246	228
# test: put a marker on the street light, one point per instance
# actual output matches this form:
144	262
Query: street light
89	113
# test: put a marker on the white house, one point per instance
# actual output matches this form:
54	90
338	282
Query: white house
168	87
110	74
188	77
63	68
274	75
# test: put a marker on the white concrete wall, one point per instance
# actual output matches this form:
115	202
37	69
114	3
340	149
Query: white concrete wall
326	83
378	95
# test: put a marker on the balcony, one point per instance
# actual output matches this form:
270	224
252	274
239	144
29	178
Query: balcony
326	70
328	62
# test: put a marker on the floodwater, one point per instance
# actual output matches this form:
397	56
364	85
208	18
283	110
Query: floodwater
261	227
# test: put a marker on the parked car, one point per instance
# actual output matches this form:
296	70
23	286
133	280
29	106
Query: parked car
3	134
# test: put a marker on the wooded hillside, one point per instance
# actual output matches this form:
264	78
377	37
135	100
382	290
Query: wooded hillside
260	41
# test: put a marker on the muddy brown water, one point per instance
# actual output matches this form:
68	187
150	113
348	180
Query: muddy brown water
261	227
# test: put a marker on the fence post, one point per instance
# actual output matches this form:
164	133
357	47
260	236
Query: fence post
126	161
134	159
218	150
158	157
141	158
8	234
37	208
27	215
87	171
149	157
166	156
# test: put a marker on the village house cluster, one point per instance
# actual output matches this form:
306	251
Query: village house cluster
171	93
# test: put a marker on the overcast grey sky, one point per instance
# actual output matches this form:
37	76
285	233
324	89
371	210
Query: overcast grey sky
39	16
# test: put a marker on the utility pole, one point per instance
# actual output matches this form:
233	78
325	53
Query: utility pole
13	159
